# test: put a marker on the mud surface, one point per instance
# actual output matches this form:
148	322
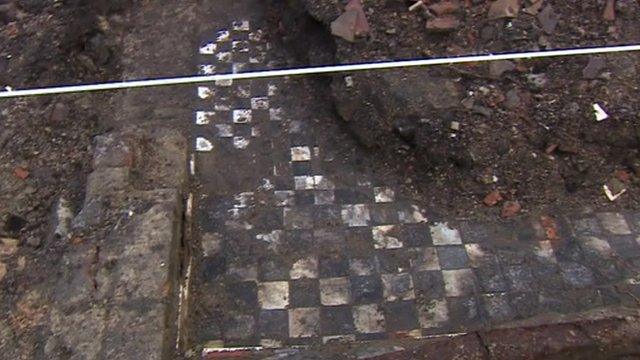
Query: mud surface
45	151
525	128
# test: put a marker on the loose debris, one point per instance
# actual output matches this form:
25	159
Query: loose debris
352	23
510	209
493	198
609	12
504	9
600	113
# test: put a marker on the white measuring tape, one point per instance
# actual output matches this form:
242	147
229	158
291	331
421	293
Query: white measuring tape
315	70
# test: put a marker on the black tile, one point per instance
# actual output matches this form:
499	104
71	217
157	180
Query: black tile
243	294
524	304
401	316
359	241
465	311
557	302
353	196
273	324
586	299
394	260
330	240
366	289
520	278
625	246
304	293
299	168
570	250
586	226
299	242
452	257
498	308
525	232
327	216
273	269
333	266
415	235
548	277
383	214
428	284
509	256
576	275
336	320
304	197
491	279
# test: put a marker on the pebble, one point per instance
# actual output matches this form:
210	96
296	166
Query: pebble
443	24
59	113
497	68
504	9
512	99
3	270
537	81
548	19
510	209
455	126
594	67
8	246
492	198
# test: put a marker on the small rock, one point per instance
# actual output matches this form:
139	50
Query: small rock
534	9
537	81
568	148
493	198
497	68
512	101
455	126
609	12
443	24
510	209
34	241
551	149
504	9
548	19
352	23
594	67
622	175
21	173
62	218
481	110
391	31
445	7
59	113
8	246
3	270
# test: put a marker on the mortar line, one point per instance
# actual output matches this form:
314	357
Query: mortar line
331	69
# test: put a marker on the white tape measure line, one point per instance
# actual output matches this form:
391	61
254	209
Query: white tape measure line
316	70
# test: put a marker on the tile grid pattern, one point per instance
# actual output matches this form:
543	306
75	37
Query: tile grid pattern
350	261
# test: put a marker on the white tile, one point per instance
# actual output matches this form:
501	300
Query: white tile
207	69
362	267
544	251
242	116
224	83
208	49
397	287
284	197
240	142
273	295
384	194
205	92
442	234
460	282
323	183
384	237
596	245
260	103
304	182
324	197
305	268
240	46
223	35
203	145
276	114
238	67
614	223
426	259
224	130
368	319
335	291
304	322
300	153
243	91
241	25
412	215
433	314
356	215
203	117
477	255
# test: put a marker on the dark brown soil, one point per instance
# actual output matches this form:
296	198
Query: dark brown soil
532	127
45	147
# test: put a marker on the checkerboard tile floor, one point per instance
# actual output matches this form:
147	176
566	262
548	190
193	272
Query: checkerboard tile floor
297	252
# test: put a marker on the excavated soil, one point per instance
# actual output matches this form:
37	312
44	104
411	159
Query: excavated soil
523	129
